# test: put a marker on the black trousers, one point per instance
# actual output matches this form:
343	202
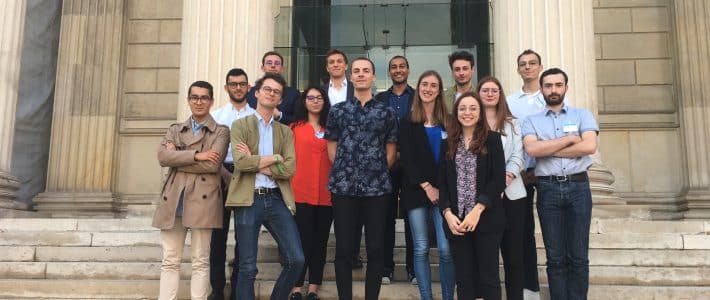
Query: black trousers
476	262
392	208
218	251
529	248
511	247
313	223
346	213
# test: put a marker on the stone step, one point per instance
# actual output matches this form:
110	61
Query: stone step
148	289
610	275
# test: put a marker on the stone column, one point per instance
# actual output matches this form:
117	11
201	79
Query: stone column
12	28
691	29
219	35
563	33
81	158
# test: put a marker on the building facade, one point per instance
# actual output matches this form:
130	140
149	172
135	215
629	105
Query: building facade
122	67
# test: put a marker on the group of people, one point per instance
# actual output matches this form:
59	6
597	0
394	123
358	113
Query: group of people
466	160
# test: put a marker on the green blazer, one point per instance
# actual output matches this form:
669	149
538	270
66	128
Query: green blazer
450	97
241	189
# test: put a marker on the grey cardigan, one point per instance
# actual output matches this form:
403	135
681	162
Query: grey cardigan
514	161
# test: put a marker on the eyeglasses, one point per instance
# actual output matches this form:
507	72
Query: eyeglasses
199	99
270	63
532	63
490	91
268	90
240	85
314	98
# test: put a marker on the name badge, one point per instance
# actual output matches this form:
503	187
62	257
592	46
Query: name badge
570	128
320	134
443	135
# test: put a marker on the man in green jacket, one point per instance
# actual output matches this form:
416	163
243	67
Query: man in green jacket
260	191
462	69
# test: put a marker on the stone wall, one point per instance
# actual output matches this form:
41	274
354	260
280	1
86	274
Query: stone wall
149	98
638	109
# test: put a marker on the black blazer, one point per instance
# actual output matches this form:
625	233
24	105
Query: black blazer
418	164
349	93
490	183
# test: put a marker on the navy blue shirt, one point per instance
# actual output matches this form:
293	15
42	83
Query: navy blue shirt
401	104
360	166
434	134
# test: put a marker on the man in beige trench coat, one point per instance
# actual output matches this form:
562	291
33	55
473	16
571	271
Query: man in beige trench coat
191	196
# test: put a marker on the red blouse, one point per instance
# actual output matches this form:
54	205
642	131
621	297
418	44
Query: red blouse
310	182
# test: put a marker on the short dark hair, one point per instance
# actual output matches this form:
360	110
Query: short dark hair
334	52
461	55
276	77
201	84
527	52
553	71
368	60
235	72
263	58
396	57
300	111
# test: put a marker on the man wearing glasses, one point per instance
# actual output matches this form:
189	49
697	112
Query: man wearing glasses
260	190
273	62
190	198
236	86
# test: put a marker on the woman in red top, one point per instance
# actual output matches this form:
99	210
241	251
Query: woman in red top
314	213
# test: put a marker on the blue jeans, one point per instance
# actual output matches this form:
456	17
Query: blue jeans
565	210
420	237
268	210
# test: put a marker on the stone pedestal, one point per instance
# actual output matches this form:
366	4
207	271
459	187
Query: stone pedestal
692	30
81	159
12	14
218	36
563	33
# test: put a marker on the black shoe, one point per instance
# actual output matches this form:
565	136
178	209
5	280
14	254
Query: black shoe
216	295
295	296
312	296
357	262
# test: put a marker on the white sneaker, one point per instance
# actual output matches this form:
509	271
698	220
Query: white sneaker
414	281
386	280
530	295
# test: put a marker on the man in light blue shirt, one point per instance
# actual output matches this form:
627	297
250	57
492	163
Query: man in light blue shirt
528	101
562	138
236	86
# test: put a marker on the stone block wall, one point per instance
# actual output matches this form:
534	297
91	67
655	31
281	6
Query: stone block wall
149	99
638	109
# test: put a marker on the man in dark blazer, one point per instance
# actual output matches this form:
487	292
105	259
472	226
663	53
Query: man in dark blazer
338	87
273	62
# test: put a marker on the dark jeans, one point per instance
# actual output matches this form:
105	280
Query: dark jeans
218	252
396	175
529	247
346	213
268	210
511	247
314	226
476	263
565	210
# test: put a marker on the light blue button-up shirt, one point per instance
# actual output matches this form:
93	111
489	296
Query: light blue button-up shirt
266	147
523	105
549	125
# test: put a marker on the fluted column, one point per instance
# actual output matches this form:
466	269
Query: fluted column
563	33
81	159
12	24
692	51
219	35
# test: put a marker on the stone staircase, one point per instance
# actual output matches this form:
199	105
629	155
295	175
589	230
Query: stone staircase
120	259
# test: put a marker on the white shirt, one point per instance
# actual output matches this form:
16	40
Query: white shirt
226	115
337	96
523	105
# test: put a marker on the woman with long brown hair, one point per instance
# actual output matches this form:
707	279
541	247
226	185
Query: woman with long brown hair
502	121
422	143
472	179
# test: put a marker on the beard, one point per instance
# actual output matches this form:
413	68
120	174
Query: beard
398	82
238	100
554	99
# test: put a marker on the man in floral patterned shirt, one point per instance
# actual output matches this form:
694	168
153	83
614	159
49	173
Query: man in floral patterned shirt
362	137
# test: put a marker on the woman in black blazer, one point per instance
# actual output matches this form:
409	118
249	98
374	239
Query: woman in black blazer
422	144
472	180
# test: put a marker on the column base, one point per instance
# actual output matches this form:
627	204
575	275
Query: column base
606	203
8	191
77	205
698	204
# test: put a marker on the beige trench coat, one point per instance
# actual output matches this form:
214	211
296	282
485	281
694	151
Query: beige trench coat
200	181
